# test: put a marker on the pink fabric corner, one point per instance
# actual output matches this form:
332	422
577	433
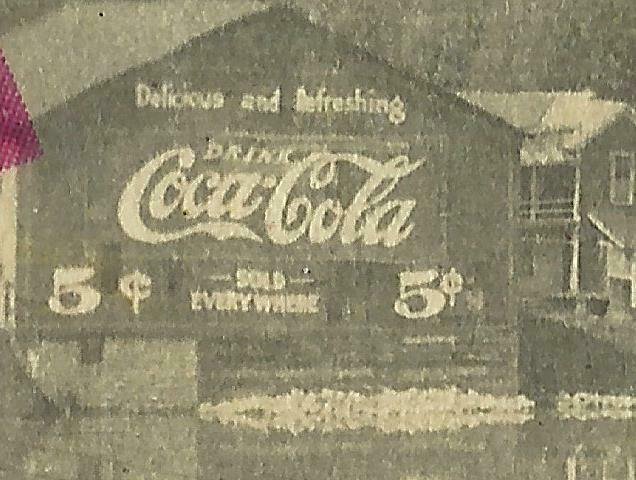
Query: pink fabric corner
18	141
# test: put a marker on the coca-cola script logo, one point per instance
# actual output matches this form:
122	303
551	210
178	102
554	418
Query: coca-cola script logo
220	204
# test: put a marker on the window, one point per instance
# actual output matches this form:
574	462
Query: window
555	184
548	192
622	171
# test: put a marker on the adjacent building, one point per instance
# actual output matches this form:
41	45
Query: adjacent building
575	196
298	207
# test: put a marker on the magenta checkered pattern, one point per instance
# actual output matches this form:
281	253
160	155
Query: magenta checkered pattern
18	141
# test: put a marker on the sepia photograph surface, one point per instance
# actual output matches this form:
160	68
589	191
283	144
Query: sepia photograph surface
303	239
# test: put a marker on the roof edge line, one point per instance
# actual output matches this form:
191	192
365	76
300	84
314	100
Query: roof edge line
605	231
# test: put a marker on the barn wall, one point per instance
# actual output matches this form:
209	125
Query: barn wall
480	231
358	339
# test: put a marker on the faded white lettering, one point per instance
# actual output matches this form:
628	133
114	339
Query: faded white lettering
167	98
233	301
220	204
322	102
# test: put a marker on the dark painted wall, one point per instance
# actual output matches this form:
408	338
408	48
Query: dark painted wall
480	230
96	142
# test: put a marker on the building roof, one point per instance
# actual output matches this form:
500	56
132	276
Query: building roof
552	121
580	117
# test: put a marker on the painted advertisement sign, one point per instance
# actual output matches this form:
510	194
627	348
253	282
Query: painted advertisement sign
214	192
286	222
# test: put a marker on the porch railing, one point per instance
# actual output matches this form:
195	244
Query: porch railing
553	209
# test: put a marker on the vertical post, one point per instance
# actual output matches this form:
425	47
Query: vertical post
512	293
631	469
512	195
576	213
511	297
443	200
444	213
576	241
571	467
603	259
533	194
632	265
632	175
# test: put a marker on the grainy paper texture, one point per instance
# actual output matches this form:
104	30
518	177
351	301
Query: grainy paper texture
306	239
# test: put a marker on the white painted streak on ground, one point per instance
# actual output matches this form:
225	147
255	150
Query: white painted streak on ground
390	411
593	406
